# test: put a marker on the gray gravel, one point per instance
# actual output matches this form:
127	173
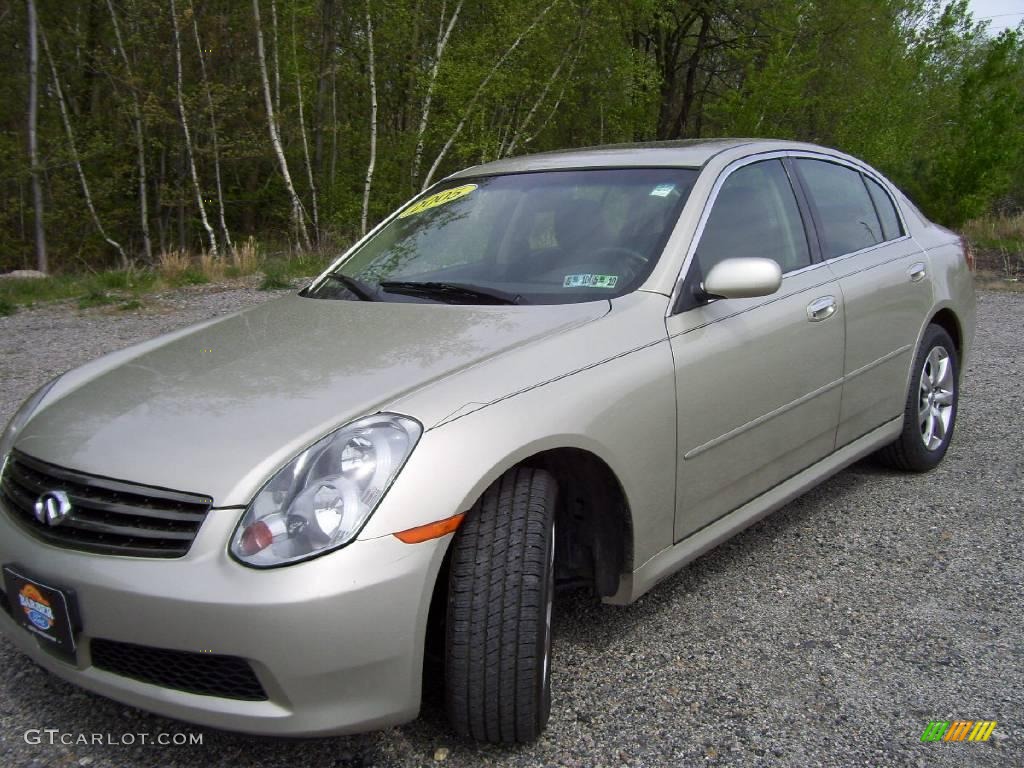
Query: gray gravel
828	634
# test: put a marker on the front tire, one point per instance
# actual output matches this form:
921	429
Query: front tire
500	593
929	415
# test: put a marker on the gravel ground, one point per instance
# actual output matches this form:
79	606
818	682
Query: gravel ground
828	634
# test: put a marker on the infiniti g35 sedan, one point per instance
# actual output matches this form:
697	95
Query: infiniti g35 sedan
579	368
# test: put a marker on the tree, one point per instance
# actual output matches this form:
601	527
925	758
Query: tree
33	137
140	141
298	213
189	154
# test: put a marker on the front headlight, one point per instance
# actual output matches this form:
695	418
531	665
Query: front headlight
21	418
320	500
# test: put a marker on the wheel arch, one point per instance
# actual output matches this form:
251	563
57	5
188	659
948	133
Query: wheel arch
946	319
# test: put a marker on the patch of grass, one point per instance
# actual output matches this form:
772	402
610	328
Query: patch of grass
188	276
173	269
274	279
28	291
95	298
171	264
245	257
997	233
988	280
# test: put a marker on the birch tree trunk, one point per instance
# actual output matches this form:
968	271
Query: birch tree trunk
140	142
443	33
558	102
277	61
334	126
66	119
373	120
305	142
213	132
189	154
506	151
298	216
33	152
479	91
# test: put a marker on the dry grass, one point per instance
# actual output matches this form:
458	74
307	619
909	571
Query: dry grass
173	264
1002	228
998	243
211	266
246	258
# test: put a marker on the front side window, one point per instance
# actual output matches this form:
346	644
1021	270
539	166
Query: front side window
755	214
550	237
845	211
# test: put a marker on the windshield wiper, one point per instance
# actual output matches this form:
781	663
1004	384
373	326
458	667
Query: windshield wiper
362	290
448	291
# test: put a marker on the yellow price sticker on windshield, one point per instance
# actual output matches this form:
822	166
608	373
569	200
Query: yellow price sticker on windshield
441	198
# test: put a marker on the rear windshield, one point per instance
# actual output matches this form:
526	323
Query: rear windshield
552	237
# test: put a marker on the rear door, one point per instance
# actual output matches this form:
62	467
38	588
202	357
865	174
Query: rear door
758	381
883	277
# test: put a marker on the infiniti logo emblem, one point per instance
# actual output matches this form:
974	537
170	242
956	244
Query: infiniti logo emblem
53	507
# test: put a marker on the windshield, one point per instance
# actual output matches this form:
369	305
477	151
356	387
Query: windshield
551	237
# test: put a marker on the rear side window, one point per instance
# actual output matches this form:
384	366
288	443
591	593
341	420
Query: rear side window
845	212
886	210
755	214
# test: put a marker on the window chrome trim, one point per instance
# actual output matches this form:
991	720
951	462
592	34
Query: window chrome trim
735	165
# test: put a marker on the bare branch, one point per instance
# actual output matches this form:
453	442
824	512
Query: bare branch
298	215
189	155
66	119
373	120
213	129
140	141
480	89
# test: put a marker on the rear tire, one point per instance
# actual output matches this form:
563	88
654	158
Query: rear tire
500	592
929	415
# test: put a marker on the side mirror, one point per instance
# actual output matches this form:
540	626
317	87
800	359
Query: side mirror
742	278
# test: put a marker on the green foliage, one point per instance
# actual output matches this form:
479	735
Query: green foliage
190	276
7	308
95	298
274	279
914	87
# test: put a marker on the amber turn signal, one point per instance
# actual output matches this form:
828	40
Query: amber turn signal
431	530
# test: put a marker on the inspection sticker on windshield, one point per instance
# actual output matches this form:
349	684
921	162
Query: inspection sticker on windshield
590	281
441	198
662	190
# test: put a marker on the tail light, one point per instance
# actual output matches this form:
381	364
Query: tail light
965	245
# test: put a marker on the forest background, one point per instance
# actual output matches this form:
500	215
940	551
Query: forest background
196	138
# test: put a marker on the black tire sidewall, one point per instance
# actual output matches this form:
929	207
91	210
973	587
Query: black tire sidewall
916	452
544	639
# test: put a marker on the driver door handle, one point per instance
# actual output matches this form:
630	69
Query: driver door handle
821	309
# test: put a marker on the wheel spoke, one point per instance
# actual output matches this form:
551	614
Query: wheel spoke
944	397
939	426
923	414
929	428
944	375
934	363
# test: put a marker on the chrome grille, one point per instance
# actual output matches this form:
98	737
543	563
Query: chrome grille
107	516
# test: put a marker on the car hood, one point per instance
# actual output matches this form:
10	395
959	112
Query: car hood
216	408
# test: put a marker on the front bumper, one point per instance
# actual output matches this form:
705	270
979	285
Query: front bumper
336	642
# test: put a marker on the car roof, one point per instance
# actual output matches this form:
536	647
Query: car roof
688	153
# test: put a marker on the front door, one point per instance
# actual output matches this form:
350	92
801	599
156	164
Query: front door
758	381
